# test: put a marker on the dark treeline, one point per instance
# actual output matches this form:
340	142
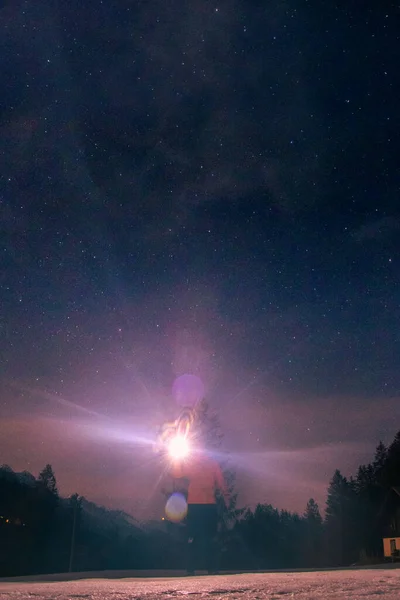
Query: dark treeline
40	532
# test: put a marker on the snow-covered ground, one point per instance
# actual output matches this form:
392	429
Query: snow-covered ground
325	585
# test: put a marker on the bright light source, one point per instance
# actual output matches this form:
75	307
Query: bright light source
178	447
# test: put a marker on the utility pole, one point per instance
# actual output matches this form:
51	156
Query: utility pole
75	500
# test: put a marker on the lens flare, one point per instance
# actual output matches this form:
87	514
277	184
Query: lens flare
178	447
176	508
188	390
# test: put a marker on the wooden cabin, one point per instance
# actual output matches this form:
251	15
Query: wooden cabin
391	529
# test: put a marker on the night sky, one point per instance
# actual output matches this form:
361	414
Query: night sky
199	187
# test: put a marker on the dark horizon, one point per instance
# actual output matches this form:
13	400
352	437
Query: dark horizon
209	190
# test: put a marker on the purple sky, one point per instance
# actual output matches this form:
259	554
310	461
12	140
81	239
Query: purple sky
284	451
189	187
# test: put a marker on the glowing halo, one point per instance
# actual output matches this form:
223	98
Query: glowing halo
178	447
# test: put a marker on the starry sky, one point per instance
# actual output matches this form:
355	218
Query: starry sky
208	188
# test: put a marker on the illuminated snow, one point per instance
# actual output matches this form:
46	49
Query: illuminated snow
334	585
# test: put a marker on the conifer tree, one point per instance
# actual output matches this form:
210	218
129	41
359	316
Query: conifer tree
48	480
312	514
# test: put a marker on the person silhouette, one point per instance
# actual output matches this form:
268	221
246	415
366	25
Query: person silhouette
205	478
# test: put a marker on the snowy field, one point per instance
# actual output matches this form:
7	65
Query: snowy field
325	585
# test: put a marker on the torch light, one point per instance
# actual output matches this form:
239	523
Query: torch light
178	447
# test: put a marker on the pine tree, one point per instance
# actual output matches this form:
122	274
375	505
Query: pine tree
391	471
75	503
207	426
340	520
365	478
381	454
48	480
335	518
394	447
313	534
208	430
312	514
368	501
380	463
336	496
